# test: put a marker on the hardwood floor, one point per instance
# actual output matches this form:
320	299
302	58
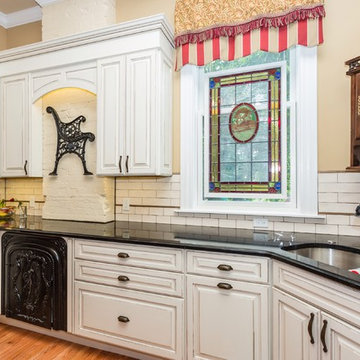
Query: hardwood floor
18	344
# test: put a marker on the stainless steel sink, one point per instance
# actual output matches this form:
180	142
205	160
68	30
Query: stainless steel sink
339	257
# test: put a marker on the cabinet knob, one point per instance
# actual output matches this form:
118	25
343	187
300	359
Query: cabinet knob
224	286
224	267
123	319
25	167
123	255
123	278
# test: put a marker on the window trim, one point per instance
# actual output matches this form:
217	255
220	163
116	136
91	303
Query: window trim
306	144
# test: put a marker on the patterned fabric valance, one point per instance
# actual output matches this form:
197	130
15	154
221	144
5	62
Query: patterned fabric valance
207	30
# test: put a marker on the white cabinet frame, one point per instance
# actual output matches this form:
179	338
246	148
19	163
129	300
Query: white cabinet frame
144	48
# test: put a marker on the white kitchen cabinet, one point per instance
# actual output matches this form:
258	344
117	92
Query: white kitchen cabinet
134	114
226	319
340	340
301	294
295	328
14	136
111	116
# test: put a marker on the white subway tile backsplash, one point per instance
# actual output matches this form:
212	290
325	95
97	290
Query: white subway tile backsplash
284	226
227	223
210	222
337	208
338	219
328	197
336	188
349	230
328	177
339	193
349	177
353	198
193	221
244	224
304	228
177	220
354	220
327	229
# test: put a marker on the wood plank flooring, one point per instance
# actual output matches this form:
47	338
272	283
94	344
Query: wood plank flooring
18	344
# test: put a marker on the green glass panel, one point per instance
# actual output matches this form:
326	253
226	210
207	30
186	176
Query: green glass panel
243	172
260	151
260	172
243	152
227	95
243	93
227	172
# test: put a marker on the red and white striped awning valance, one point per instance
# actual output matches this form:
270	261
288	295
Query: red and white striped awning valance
307	32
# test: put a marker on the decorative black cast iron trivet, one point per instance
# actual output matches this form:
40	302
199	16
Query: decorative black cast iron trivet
70	139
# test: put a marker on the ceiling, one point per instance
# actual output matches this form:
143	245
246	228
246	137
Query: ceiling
10	6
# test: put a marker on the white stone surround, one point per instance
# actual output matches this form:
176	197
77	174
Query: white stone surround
71	195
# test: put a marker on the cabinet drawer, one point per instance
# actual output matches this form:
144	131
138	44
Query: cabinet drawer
130	255
328	295
235	267
130	278
142	322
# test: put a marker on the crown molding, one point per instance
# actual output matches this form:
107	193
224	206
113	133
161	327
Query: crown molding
43	3
20	17
154	22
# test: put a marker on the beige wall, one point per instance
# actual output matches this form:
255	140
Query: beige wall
24	34
3	38
341	43
69	17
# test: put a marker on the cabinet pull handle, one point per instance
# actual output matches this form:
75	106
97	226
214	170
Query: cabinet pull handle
123	278
224	286
123	255
123	319
224	267
310	325
120	161
127	163
25	167
322	336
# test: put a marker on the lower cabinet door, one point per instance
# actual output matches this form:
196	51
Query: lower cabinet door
143	322
295	328
227	319
339	340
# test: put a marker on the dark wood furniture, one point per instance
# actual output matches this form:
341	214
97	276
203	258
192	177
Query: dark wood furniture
354	72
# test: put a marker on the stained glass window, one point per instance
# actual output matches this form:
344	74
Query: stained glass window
245	133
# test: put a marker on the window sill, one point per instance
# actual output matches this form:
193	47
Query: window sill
252	212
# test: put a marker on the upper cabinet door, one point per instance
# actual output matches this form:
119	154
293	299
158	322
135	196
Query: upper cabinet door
111	116
296	326
14	126
141	121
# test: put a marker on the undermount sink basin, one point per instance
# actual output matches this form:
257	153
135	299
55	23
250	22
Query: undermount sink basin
340	257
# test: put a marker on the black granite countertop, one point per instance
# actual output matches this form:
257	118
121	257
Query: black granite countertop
239	241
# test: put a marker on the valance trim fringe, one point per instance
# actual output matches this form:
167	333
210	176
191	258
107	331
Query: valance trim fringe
263	22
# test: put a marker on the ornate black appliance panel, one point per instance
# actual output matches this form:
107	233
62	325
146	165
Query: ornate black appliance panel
34	279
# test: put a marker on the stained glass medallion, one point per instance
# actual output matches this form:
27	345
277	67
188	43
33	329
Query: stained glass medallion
245	133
